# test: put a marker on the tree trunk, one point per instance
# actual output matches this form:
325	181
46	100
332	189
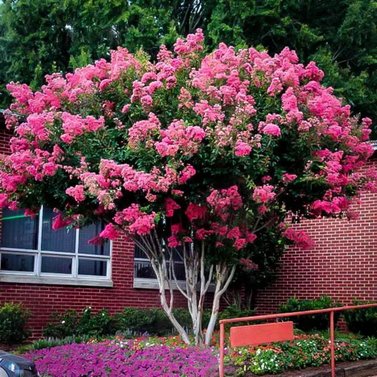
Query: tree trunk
196	285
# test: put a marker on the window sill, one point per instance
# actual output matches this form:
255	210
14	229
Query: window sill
141	283
52	280
153	284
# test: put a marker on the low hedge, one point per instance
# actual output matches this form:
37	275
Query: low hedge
130	322
362	321
310	322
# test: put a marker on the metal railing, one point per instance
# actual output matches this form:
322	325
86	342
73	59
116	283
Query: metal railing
330	311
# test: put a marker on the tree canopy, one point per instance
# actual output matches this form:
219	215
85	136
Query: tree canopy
197	154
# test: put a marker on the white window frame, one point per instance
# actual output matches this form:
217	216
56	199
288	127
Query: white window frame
151	283
39	277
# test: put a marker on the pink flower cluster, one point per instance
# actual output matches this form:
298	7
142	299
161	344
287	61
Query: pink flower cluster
188	143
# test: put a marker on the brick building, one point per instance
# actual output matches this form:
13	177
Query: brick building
54	271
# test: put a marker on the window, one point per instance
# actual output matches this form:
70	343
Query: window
29	246
143	269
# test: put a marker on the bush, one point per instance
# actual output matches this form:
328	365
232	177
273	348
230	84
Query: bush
71	323
153	321
363	321
130	322
310	322
13	318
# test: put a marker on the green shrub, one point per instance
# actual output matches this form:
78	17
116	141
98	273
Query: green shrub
71	323
13	318
363	321
310	322
234	311
129	322
152	321
62	325
96	325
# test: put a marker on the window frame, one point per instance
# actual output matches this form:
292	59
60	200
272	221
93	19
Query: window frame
37	276
151	283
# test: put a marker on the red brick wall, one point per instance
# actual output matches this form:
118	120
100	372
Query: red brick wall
4	140
343	263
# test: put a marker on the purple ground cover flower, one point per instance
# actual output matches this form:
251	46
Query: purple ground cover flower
110	360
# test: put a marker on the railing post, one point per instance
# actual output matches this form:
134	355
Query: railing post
222	341
332	343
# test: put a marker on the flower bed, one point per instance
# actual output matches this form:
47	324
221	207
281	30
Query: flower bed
116	359
305	351
169	356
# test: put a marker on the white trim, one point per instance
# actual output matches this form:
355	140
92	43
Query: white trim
23	278
143	283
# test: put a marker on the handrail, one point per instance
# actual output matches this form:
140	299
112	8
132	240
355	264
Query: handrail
330	311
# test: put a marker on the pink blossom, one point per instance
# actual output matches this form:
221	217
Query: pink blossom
287	178
170	206
240	243
60	222
299	237
110	232
77	192
264	194
3	200
271	129
187	173
242	149
196	212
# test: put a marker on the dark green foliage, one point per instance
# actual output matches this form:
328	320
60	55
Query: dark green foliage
363	321
233	311
13	318
265	254
152	321
131	322
71	323
310	322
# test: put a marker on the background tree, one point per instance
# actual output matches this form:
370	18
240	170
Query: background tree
197	156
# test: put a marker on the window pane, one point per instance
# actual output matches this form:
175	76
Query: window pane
19	231
92	267
56	240
57	265
86	234
17	262
144	270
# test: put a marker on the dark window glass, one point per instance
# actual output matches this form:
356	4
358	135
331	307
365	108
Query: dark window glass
56	240
57	265
92	267
144	270
19	231
17	262
89	232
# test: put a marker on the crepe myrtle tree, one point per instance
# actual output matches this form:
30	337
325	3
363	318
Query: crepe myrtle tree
195	154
